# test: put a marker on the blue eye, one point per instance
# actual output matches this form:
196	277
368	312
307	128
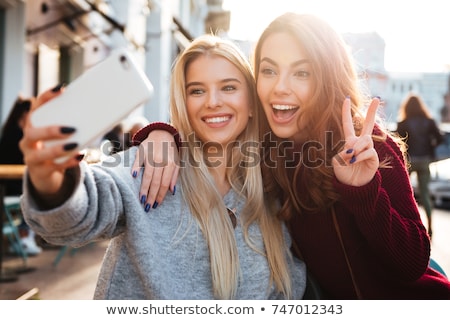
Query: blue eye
229	88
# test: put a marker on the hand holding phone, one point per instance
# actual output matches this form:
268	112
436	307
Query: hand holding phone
97	100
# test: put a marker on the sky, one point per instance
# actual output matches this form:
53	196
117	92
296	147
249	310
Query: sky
416	32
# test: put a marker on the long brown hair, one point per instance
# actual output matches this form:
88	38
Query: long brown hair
413	106
333	79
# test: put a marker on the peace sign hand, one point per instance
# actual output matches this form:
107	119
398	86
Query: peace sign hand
357	163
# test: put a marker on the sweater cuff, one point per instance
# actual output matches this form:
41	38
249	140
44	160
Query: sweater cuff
143	133
49	202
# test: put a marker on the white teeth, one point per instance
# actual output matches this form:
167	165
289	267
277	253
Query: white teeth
283	107
216	119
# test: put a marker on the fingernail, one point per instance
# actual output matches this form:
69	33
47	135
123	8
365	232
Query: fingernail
58	87
155	205
378	97
353	159
349	151
67	130
143	198
79	157
147	207
174	189
134	174
70	146
347	97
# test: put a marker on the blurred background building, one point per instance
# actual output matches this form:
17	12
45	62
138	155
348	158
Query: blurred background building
46	42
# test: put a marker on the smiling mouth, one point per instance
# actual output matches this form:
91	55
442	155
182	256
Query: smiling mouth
284	111
217	119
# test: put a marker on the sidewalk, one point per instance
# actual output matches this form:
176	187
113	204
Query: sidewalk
440	245
74	278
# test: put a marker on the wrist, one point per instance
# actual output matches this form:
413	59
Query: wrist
143	133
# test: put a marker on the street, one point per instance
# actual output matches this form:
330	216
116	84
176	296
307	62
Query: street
440	245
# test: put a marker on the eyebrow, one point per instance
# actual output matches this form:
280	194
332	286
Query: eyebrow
226	80
294	64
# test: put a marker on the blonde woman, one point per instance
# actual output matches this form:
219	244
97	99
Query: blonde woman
216	237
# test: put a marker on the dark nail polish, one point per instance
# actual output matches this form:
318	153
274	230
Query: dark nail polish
155	205
143	198
174	189
58	87
134	174
349	151
147	207
79	157
67	130
352	160
70	146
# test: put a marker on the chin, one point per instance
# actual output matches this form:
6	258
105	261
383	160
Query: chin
282	134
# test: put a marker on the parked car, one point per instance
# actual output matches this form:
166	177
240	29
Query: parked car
439	184
440	171
443	150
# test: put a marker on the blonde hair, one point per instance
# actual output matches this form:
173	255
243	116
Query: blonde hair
246	180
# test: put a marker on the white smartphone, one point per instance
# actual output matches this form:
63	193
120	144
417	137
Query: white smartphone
97	100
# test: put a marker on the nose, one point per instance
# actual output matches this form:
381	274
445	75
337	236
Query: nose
282	85
214	99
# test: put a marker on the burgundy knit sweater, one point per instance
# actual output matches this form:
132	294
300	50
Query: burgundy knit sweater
386	243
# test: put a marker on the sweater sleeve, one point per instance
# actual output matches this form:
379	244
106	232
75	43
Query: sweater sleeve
388	216
94	211
143	133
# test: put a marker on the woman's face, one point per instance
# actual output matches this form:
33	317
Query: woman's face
284	84
217	99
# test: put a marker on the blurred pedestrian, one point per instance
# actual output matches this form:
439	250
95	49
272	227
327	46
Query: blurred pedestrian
11	154
114	139
422	136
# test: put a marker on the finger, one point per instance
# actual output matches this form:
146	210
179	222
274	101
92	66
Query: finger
369	122
174	179
342	158
345	158
347	121
41	100
368	154
145	184
363	142
155	186
49	153
138	162
47	133
46	96
166	182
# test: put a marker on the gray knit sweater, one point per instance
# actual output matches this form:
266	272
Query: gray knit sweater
160	254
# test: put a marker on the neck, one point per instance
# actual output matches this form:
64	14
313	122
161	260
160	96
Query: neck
219	176
218	162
